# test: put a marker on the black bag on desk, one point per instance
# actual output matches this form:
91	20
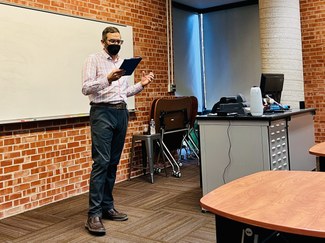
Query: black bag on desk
230	105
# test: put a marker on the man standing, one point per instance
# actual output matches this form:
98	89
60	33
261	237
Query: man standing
107	89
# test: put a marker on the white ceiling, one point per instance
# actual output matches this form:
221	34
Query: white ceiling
201	4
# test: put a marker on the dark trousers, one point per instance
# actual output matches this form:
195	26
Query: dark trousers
108	131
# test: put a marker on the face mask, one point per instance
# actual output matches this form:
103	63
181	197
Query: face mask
113	49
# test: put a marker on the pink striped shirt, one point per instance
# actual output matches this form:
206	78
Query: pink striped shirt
95	84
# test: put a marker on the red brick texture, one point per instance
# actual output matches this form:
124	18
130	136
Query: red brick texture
313	45
46	161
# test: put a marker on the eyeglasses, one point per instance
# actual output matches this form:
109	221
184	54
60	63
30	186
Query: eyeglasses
115	41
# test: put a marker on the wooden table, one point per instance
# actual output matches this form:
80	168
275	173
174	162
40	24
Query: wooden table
319	150
270	204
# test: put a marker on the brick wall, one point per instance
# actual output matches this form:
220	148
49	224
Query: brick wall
46	161
313	44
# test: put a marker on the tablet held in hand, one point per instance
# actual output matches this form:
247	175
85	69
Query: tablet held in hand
130	64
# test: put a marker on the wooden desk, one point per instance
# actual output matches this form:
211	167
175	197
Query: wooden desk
319	150
283	204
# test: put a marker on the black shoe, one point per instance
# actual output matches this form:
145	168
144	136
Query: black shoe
113	214
95	226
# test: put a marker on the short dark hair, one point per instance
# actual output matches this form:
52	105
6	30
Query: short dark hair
109	29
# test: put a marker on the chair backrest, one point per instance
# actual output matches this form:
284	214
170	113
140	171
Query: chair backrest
171	114
175	109
173	120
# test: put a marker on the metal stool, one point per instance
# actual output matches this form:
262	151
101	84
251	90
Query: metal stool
149	140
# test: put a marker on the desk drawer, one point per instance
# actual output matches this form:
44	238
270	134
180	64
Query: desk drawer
278	141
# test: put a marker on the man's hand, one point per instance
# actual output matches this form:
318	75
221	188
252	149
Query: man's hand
116	74
146	79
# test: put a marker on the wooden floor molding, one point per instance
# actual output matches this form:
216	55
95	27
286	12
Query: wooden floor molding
166	211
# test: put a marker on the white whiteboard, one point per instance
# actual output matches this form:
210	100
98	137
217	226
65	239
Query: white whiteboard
41	59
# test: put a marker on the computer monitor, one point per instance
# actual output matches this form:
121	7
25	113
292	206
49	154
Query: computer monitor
272	85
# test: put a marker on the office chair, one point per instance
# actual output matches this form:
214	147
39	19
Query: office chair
171	117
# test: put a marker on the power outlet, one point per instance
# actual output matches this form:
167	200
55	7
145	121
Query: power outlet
172	88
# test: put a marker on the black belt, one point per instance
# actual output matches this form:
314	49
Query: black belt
118	106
